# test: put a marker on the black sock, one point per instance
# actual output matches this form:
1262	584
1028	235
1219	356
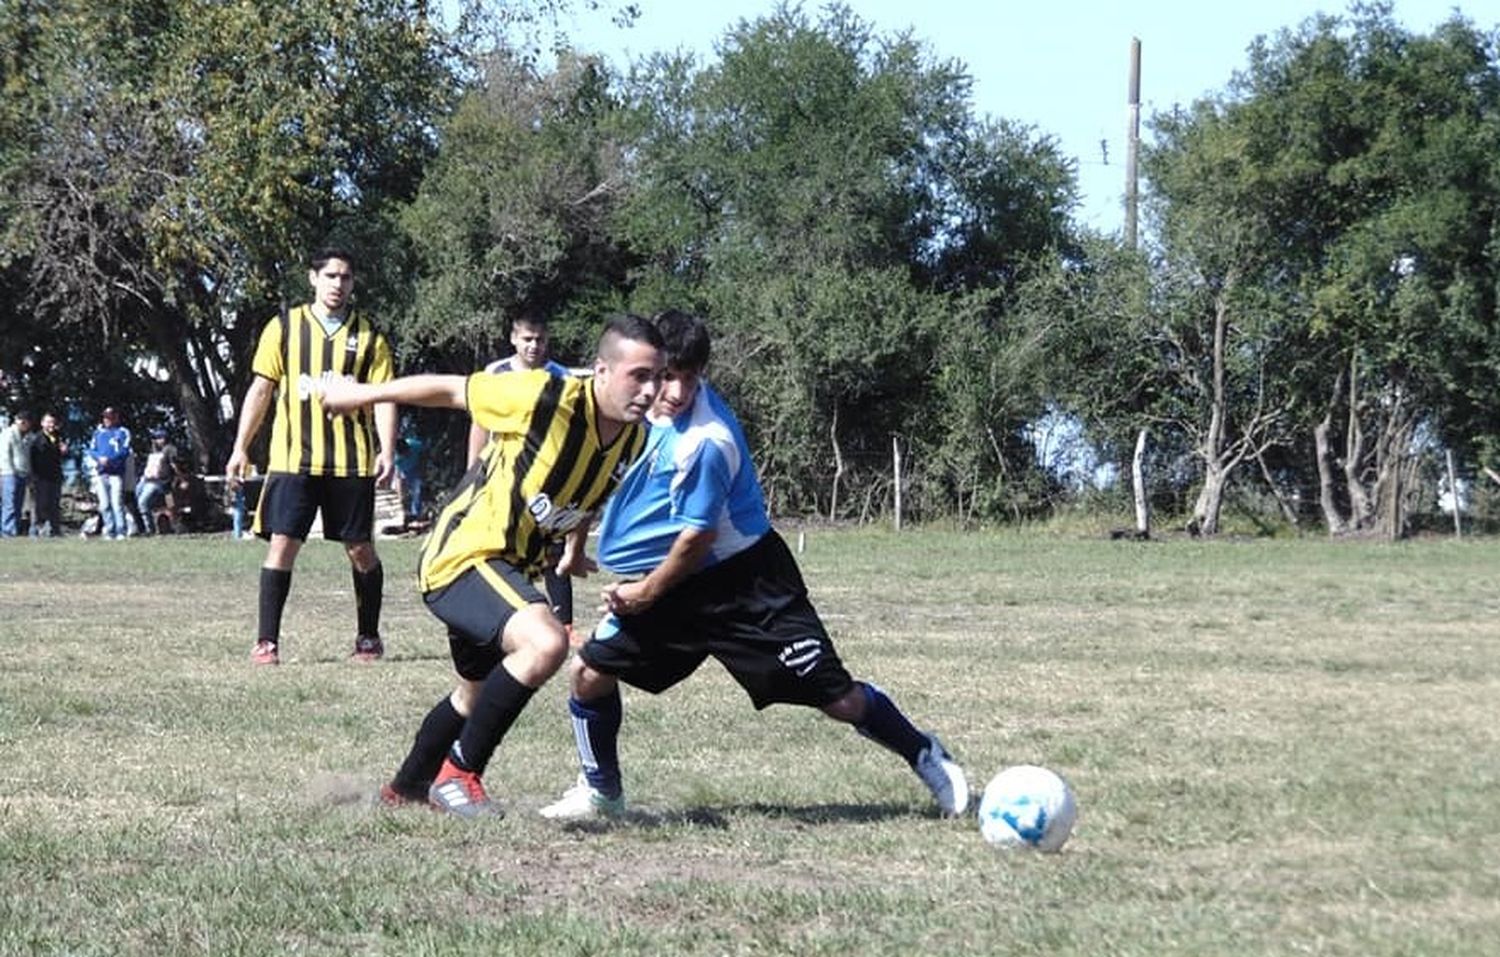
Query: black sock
501	701
369	587
885	724
439	730
274	586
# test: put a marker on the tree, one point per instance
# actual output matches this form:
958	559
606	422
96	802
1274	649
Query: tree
1371	151
168	164
514	212
827	198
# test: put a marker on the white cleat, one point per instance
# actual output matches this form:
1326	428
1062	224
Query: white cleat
581	802
944	778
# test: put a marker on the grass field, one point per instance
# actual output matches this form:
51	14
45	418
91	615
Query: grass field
1279	747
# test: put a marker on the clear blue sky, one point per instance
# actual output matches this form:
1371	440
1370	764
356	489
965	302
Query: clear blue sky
1058	65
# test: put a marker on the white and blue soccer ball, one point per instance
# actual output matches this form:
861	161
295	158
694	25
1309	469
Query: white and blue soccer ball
1028	807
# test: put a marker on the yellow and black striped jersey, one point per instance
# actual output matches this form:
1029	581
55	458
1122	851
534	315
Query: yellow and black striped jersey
297	352
542	474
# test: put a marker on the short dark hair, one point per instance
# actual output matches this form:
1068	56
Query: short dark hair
537	319
626	325
320	257
686	339
25	414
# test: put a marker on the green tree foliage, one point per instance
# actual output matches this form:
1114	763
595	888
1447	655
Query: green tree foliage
826	197
1325	269
171	162
514	213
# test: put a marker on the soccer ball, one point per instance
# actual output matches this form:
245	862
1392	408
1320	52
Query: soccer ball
1027	806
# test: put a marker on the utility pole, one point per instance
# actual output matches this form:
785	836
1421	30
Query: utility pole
1133	143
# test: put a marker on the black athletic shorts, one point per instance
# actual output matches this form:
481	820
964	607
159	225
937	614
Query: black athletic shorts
751	612
475	606
289	502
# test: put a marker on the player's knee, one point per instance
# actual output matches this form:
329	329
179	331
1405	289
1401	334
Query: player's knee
362	555
588	684
848	708
464	695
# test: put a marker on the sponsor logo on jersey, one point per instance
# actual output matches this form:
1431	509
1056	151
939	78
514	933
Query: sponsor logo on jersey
551	519
307	385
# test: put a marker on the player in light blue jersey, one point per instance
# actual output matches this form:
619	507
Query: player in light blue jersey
532	340
707	576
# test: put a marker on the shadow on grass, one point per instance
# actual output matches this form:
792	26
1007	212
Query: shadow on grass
718	817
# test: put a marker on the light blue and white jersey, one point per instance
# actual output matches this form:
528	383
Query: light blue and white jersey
696	472
508	364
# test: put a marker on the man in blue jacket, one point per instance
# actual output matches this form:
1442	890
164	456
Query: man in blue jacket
111	449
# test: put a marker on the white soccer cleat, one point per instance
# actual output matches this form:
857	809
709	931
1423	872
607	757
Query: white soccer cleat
583	801
944	778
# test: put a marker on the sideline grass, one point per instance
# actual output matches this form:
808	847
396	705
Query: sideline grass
1279	747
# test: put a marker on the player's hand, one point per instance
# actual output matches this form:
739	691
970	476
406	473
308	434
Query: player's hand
627	598
575	562
385	468
234	470
339	396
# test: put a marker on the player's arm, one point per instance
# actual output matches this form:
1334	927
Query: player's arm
432	391
252	413
385	426
478	435
575	559
686	556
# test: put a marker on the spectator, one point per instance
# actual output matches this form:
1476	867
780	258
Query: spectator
409	450
111	453
46	449
156	481
15	468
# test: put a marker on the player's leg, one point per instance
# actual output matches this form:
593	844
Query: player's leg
348	506
768	635
283	517
493	604
651	652
873	714
596	713
442	725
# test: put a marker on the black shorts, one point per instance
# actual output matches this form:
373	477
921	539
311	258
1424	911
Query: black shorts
288	504
751	612
475	606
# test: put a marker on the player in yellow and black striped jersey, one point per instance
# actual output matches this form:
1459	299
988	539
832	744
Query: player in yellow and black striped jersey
300	351
560	446
318	463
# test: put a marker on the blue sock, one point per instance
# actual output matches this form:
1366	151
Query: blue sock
885	724
596	729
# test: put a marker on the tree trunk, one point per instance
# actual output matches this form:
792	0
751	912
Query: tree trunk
838	467
170	335
1331	516
1356	448
1210	499
1211	451
1323	443
1138	486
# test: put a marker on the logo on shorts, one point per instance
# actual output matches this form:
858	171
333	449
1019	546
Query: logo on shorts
801	656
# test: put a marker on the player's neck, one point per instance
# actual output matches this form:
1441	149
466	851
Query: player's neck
608	429
324	314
